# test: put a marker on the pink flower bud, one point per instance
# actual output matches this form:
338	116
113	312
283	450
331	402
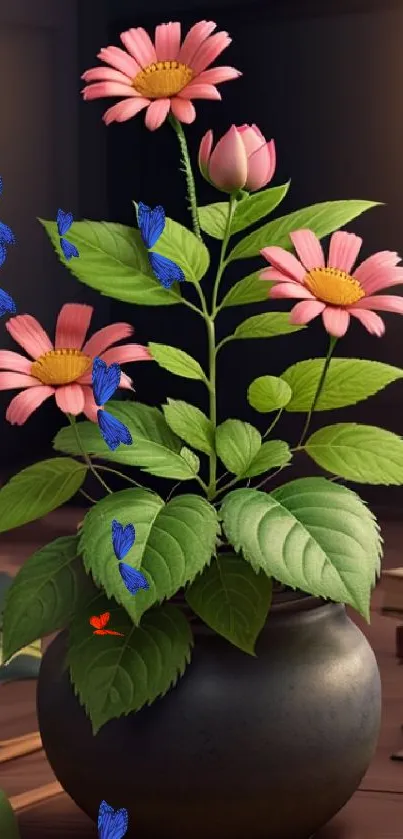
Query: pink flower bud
242	159
261	157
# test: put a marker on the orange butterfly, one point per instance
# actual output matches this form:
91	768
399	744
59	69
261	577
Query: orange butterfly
100	623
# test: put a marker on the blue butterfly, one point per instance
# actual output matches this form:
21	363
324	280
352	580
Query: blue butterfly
123	538
64	222
133	579
166	271
6	234
6	303
112	824
113	431
105	380
151	223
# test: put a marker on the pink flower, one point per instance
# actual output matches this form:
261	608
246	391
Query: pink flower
334	290
162	77
65	369
242	159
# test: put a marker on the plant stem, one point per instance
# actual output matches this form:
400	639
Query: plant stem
222	263
86	457
332	344
121	475
88	497
191	188
275	421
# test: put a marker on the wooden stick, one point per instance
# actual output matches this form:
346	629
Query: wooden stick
24	747
35	796
20	739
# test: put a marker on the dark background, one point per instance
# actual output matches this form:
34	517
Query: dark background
324	79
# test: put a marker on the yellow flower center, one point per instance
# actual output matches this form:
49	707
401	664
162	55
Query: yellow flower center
333	286
60	367
163	79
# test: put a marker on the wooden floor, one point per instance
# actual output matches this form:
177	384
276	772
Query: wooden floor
374	812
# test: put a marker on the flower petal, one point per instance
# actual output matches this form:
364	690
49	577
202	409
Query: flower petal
228	165
381	303
14	361
284	262
102	90
274	276
194	90
261	166
140	46
104	338
105	74
217	75
309	249
70	399
72	326
372	273
157	113
183	110
194	38
209	51
167	41
306	311
290	290
90	408
126	353
336	320
29	334
25	403
120	60
343	250
372	322
206	145
124	110
12	381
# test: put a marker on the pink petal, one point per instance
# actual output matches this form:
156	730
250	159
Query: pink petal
343	250
290	290
336	320
25	403
28	333
125	353
381	303
309	249
252	136
104	338
205	151
90	408
72	326
194	90
306	311
101	90
217	75
209	51
105	74
194	38
284	262
139	44
70	399
261	166
124	110
372	322
120	60
376	271
228	165
157	113
14	361
167	41
12	381
183	110
126	382
272	275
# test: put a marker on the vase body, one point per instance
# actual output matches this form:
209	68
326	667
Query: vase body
265	748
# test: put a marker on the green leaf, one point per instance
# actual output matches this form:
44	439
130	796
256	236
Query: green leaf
361	453
311	534
190	424
45	594
174	542
176	361
348	381
232	599
191	459
249	290
155	448
322	219
113	260
37	490
185	249
115	676
272	454
237	443
213	219
257	206
267	325
25	664
268	393
8	820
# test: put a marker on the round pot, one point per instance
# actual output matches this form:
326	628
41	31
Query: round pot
268	747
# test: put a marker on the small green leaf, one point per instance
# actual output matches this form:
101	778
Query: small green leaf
322	219
176	361
311	534
213	219
114	261
8	820
361	453
191	459
268	393
348	381
45	594
114	676
190	424
185	249
25	664
271	455
249	290
38	490
257	206
267	325
237	443
232	599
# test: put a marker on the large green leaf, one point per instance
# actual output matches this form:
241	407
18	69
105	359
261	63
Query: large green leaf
114	261
232	599
184	248
348	381
45	594
267	325
114	676
176	361
8	820
249	290
268	393
237	443
155	448
190	424
174	542
37	490
271	455
213	217
361	453
311	534
322	219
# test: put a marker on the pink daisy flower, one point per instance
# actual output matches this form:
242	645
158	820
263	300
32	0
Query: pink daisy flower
65	369
163	76
334	290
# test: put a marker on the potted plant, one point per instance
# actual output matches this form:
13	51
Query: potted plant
207	678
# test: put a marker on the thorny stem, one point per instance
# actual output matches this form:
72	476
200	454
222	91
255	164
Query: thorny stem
187	168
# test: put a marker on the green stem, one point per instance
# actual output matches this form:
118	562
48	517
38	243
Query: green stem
86	457
88	497
271	426
227	486
191	188
332	344
269	478
121	475
222	264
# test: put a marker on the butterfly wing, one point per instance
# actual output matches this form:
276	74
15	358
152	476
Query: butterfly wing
113	431
3	254
151	223
105	380
1	185
166	271
96	622
133	579
100	632
111	824
123	538
64	222
6	234
6	303
69	250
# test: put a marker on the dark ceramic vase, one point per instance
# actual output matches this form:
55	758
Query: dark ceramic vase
266	748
